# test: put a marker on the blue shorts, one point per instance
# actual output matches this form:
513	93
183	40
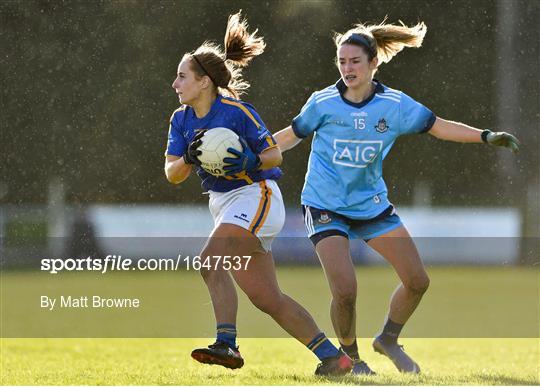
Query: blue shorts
323	223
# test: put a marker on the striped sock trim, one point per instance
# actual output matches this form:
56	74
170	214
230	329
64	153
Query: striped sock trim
226	328
232	331
317	341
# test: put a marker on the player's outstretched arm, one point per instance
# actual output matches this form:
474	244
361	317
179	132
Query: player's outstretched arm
176	169
458	132
286	139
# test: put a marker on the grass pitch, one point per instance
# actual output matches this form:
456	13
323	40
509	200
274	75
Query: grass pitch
268	362
476	307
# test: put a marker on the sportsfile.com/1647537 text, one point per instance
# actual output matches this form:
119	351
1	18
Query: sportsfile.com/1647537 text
118	263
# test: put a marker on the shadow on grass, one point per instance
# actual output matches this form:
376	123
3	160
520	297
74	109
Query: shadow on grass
405	380
506	380
357	380
260	378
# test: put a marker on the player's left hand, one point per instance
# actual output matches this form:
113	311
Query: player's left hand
247	160
503	139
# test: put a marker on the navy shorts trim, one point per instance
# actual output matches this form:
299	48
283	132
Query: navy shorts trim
323	223
316	238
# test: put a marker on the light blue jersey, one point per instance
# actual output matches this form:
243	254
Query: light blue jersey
349	145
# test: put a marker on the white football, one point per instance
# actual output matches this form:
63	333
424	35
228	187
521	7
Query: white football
214	149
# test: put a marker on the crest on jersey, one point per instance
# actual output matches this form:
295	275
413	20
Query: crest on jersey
324	218
382	126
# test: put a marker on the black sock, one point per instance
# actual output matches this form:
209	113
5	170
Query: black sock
390	332
351	350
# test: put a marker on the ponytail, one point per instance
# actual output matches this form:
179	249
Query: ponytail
383	40
225	68
240	45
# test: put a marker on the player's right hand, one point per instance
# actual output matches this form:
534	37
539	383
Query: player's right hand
192	152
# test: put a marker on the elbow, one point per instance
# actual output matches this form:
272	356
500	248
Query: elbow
173	180
176	171
175	177
178	178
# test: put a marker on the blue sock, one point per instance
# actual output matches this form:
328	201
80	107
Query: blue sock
226	333
322	347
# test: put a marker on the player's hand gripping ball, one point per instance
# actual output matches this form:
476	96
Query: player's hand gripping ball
192	153
214	149
245	160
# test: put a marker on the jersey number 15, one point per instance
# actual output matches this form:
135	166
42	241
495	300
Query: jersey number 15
359	123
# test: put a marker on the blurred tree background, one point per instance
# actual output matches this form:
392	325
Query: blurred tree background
86	92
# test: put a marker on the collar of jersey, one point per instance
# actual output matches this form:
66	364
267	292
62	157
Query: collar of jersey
340	85
213	110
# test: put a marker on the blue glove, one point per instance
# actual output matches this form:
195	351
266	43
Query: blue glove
245	161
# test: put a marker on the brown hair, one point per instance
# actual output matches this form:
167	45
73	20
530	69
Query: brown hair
383	40
224	68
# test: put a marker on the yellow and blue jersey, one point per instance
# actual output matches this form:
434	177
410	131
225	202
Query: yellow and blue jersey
350	141
229	113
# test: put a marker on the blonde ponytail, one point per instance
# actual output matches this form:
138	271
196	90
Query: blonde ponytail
384	40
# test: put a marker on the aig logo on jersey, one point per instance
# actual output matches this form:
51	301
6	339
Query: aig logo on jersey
356	153
382	126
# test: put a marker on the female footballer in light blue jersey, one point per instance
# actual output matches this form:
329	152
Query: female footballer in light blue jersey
354	124
246	204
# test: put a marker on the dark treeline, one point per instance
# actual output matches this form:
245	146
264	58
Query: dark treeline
86	92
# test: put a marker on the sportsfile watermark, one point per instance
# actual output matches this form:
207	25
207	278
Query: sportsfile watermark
113	262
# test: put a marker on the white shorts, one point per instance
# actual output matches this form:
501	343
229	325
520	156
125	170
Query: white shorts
257	207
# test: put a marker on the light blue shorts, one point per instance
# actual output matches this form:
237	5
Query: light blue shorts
323	223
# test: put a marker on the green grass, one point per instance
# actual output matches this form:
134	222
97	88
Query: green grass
461	302
268	362
488	316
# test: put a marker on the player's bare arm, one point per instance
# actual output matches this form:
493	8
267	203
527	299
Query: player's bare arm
176	169
459	132
286	139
